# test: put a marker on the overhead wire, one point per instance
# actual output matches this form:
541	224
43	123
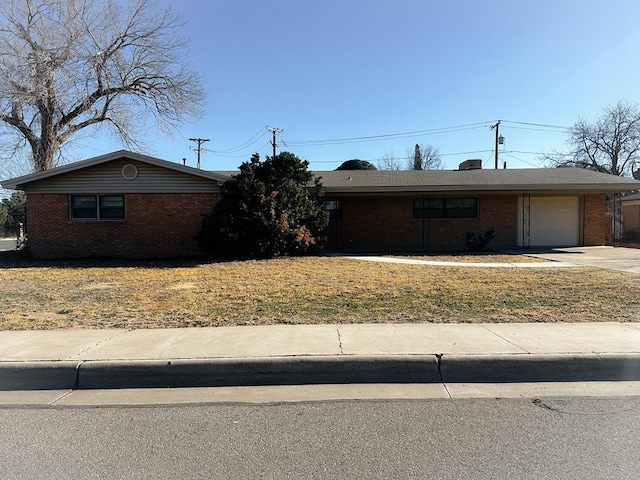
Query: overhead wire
434	131
335	141
261	133
508	153
536	124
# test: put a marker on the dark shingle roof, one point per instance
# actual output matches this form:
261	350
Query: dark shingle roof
534	179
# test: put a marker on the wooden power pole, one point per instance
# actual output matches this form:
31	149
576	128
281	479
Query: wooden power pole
198	149
274	131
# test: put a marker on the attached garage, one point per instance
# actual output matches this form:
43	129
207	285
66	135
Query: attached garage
549	221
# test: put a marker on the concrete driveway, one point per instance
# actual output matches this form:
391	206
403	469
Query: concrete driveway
612	258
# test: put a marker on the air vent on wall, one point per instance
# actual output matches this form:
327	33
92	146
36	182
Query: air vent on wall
129	171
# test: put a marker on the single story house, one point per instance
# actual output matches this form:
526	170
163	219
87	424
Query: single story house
125	204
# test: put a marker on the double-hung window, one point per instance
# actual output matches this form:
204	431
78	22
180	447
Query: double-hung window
96	207
445	207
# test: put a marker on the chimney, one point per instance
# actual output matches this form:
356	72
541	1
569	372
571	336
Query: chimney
471	164
184	162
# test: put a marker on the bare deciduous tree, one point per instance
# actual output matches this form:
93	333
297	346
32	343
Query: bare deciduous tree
69	65
389	162
424	157
611	144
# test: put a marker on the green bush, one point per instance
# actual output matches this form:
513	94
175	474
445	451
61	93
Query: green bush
267	210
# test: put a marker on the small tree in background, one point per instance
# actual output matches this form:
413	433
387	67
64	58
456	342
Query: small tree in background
356	164
389	162
266	211
13	211
424	157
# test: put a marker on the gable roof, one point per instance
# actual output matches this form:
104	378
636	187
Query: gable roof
576	180
19	182
503	180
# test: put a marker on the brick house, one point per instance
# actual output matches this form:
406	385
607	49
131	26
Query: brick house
434	210
124	204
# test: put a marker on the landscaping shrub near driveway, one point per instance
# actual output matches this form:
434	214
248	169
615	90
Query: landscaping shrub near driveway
305	290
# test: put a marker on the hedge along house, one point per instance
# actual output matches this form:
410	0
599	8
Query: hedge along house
122	204
433	210
128	205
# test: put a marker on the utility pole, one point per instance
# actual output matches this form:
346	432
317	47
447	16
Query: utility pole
274	131
499	140
198	149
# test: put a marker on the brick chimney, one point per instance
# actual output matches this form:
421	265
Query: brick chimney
471	164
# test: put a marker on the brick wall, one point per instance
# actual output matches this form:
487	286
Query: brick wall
156	226
386	223
631	215
594	219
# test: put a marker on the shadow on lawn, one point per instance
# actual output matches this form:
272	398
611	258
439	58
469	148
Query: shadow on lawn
21	259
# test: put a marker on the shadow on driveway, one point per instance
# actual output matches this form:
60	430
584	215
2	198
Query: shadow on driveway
612	258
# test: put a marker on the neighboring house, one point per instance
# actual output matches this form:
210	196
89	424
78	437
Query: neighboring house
631	215
130	205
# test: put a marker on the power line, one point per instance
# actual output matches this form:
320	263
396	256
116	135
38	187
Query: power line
521	160
333	141
537	124
371	138
255	138
242	154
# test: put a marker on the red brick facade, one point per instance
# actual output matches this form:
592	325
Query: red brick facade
386	223
164	226
594	209
156	226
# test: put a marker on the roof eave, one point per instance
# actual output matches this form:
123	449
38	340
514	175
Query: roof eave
581	188
19	183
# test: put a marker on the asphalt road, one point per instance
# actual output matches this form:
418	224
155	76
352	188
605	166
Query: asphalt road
571	438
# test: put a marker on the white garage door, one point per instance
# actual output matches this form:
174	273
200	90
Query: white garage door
554	221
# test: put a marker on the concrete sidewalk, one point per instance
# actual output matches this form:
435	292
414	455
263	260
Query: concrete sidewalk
319	354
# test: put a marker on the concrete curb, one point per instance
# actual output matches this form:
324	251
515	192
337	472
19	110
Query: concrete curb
540	368
38	375
300	370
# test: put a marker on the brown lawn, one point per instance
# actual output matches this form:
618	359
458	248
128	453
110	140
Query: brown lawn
306	290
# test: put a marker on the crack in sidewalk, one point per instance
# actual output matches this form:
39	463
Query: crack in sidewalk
97	344
505	339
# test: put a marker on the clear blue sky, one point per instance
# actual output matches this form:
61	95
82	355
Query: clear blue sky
339	69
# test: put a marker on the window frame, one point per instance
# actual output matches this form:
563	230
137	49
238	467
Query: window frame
99	209
333	207
447	212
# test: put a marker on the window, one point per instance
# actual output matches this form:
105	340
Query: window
334	207
447	207
97	207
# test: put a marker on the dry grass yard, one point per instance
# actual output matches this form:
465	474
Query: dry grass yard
305	290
